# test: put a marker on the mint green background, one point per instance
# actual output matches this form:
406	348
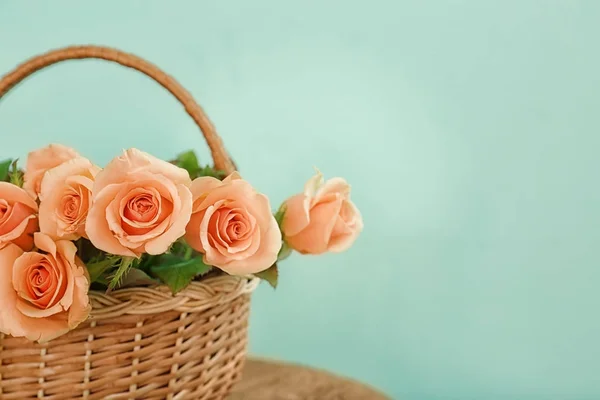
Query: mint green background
470	133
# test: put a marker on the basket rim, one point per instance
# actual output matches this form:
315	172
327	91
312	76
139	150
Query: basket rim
196	297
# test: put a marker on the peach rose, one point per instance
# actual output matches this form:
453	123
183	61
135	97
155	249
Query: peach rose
232	225
18	218
43	295
40	161
66	197
322	218
140	205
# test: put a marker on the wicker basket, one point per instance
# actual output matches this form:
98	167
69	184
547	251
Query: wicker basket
139	343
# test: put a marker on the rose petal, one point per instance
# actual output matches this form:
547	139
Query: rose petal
9	316
264	257
14	266
13	322
347	236
66	259
245	241
200	188
235	175
18	226
40	161
134	241
68	172
296	216
25	240
127	167
180	217
168	192
18	213
192	231
313	184
314	239
212	256
68	184
337	186
236	189
97	227
15	194
146	222
45	243
81	307
34	307
214	226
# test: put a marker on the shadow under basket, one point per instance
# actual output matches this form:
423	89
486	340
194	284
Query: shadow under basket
139	343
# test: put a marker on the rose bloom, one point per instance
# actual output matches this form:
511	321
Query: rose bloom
322	218
43	295
66	197
140	204
40	161
18	218
232	225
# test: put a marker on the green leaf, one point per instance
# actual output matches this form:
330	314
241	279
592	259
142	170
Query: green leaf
137	277
147	261
210	171
96	269
280	214
4	168
189	162
16	175
270	275
188	252
176	272
285	251
125	264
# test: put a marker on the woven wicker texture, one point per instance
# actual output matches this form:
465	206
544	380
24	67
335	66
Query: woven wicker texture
139	343
272	380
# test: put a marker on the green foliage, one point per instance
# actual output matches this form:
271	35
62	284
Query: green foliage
98	268
176	268
284	252
189	161
270	275
279	215
177	272
88	253
210	171
137	277
4	168
16	175
123	267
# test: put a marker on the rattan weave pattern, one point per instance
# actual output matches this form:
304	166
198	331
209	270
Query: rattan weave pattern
140	343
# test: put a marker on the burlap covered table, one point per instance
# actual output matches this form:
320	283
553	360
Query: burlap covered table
269	380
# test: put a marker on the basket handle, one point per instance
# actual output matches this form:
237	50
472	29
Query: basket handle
220	157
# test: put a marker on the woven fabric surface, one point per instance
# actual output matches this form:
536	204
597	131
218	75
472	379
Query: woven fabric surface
269	380
140	343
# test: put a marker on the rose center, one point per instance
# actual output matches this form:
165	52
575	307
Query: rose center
237	228
71	204
42	286
141	208
39	280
